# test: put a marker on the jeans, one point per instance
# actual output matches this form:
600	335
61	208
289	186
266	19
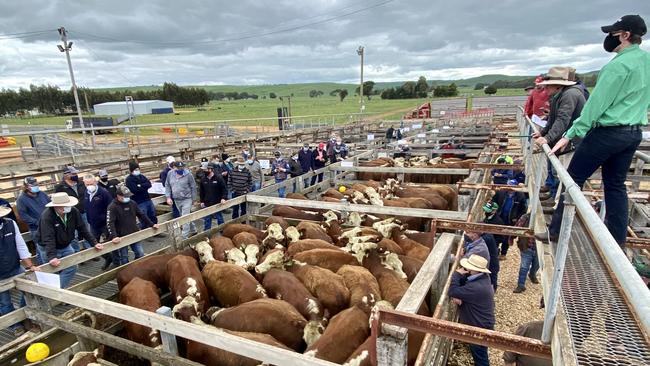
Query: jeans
175	213
480	355
137	249
149	210
281	190
207	221
237	208
34	235
256	186
185	207
528	262
6	306
551	181
66	274
612	149
320	178
85	243
120	256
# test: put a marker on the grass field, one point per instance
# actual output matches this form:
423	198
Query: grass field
266	108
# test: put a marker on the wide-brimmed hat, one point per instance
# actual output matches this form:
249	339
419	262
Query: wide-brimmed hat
61	199
558	75
5	210
475	263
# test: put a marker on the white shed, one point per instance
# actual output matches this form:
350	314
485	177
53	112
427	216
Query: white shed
140	107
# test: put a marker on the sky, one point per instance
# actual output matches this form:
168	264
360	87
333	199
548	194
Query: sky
131	43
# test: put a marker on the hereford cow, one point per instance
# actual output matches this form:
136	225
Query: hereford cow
249	244
426	238
230	284
206	355
187	288
411	247
221	245
145	295
363	286
345	332
270	316
386	245
327	286
274	258
308	244
283	285
331	259
230	230
293	213
274	236
311	230
276	220
410	266
150	268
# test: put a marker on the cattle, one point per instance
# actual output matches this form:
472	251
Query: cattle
204	250
273	236
276	220
411	247
207	355
425	238
386	245
230	230
308	244
187	288
274	258
150	268
414	223
363	286
86	358
311	230
249	244
145	295
345	332
283	285
333	193
410	266
327	286
292	234
377	263
369	234
270	316
290	212
333	230
331	259
296	196
230	284
221	245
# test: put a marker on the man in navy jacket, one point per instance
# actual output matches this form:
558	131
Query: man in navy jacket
305	159
97	201
139	185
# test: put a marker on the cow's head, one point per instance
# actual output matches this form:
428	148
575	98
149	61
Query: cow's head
274	235
204	250
392	261
292	234
386	227
186	309
354	219
273	259
237	257
312	332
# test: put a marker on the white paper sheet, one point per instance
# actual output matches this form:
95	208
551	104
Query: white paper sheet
265	164
156	188
422	135
48	279
538	121
646	135
347	163
371	137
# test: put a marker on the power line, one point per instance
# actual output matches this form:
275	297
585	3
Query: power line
85	46
242	37
25	34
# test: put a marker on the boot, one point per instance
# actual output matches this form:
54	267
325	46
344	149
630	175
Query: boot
544	189
547	203
519	289
544	196
533	279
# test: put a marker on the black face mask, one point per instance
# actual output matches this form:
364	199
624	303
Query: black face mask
104	179
610	43
74	178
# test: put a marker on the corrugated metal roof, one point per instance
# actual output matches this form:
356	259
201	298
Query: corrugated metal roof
134	102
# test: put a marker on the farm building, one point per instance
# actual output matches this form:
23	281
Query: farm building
140	107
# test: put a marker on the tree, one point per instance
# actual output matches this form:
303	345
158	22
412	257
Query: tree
272	95
334	92
343	93
479	86
315	93
490	90
367	88
421	87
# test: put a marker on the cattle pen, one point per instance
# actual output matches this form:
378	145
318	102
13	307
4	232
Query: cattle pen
621	298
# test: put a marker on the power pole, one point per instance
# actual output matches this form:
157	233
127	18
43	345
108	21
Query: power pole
67	46
360	52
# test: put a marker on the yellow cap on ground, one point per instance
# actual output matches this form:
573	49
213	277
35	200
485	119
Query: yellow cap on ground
342	189
37	352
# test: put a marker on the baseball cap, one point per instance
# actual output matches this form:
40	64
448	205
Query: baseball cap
170	159
179	164
124	191
513	182
103	173
70	170
490	207
629	23
30	181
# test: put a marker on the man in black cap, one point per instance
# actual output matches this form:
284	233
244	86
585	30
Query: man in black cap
108	184
202	169
139	185
74	187
212	191
31	204
305	157
610	123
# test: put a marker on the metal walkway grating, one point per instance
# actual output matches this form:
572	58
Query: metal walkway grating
603	330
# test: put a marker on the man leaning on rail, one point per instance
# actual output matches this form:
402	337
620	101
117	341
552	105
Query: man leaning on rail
610	123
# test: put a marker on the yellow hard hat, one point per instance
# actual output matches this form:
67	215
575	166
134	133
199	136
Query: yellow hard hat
37	352
342	189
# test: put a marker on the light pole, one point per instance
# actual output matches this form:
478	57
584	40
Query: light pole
360	52
67	46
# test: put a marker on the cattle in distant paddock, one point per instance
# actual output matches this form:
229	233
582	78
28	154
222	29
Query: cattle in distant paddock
207	355
270	316
230	284
327	286
145	295
187	288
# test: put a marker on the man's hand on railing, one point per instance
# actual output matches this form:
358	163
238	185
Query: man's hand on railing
560	145
541	141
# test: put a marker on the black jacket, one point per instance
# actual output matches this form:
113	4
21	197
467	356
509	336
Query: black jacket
55	234
294	168
478	299
496	220
120	218
565	108
212	190
519	205
80	194
318	163
110	186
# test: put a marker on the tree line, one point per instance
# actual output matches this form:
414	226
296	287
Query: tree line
51	99
419	89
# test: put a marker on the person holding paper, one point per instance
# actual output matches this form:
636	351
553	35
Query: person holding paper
13	252
537	102
56	232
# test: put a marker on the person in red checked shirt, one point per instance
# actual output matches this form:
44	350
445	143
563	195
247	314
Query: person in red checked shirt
537	102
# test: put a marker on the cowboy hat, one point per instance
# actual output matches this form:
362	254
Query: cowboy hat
558	75
61	199
475	263
5	210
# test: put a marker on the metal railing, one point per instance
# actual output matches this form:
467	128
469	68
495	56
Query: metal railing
630	283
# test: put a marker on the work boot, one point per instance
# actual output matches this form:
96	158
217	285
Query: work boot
519	289
544	189
533	279
502	257
544	196
547	210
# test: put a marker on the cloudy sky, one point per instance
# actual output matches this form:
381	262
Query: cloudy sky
129	43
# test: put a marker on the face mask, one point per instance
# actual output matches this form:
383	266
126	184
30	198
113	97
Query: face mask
179	171
278	157
67	209
104	179
34	189
92	189
74	178
467	239
228	160
240	167
136	172
610	43
126	199
294	158
249	161
305	148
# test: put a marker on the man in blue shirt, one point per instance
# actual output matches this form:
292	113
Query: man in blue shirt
31	204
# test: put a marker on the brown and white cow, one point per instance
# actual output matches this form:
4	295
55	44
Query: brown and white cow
274	258
220	247
327	286
363	286
187	288
230	284
204	354
331	259
249	244
410	266
274	236
150	268
270	316
276	220
411	247
294	213
230	230
312	230
308	244
145	295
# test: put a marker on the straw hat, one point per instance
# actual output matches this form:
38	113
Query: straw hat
61	199
475	263
558	75
5	210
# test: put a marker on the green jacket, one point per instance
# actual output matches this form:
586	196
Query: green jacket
621	95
